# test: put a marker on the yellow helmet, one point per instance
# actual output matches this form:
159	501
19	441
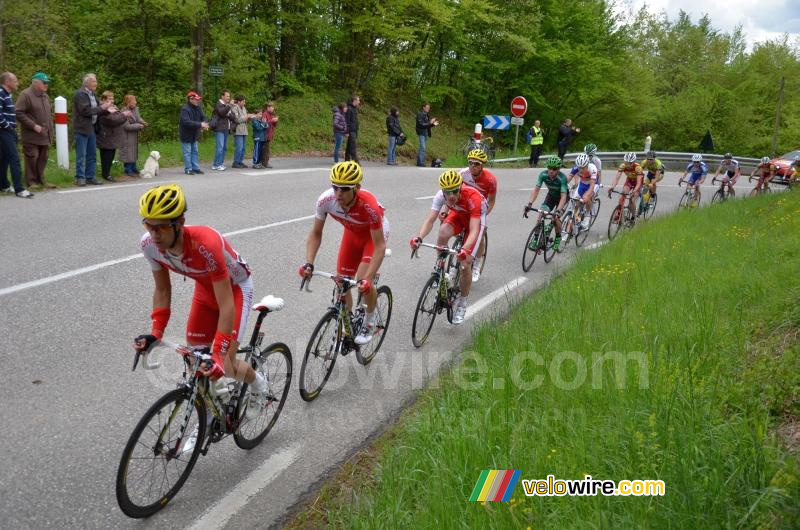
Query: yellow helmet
479	155
162	202
450	179
346	174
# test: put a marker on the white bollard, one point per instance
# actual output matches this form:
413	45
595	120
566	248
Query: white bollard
647	142
62	135
478	130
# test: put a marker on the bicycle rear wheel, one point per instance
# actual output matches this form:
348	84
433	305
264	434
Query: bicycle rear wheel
383	314
320	356
615	222
531	248
425	313
158	458
275	364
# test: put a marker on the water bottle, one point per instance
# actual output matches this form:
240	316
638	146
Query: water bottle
221	390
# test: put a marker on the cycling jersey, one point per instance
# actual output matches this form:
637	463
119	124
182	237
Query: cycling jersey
696	173
206	257
766	169
556	186
651	166
585	174
632	173
730	167
470	205
486	183
366	213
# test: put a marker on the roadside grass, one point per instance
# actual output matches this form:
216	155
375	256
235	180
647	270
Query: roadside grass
305	130
672	353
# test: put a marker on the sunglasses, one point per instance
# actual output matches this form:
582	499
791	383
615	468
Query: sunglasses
342	188
454	191
472	163
153	229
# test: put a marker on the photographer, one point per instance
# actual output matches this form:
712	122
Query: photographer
396	135
424	126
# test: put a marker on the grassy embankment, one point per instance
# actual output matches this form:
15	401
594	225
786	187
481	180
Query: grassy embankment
305	129
704	392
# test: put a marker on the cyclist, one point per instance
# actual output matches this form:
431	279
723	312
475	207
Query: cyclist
467	211
793	173
767	171
591	151
484	181
223	290
732	171
587	187
363	245
634	176
655	172
557	193
697	172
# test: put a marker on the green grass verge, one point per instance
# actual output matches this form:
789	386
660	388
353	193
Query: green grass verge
704	392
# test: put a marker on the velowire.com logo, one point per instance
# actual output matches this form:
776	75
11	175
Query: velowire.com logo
495	485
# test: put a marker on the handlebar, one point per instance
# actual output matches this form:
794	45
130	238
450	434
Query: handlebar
348	283
180	349
440	248
546	213
625	193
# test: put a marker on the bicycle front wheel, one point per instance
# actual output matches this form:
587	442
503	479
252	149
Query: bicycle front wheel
383	314
321	352
425	314
651	206
567	225
583	233
531	248
719	196
275	365
615	222
484	242
548	243
595	210
158	457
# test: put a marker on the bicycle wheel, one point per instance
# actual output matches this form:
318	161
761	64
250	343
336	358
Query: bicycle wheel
485	242
454	272
583	233
275	364
425	313
531	248
684	202
651	206
157	459
753	192
615	222
595	210
630	218
320	356
548	243
383	308
567	225
719	196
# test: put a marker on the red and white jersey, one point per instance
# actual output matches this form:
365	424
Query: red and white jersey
365	215
471	203
486	183
207	257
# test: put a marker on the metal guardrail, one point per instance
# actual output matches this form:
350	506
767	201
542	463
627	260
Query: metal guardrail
669	158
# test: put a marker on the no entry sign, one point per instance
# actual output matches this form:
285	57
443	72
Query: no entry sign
519	106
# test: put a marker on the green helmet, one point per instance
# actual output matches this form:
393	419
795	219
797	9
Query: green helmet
590	149
553	163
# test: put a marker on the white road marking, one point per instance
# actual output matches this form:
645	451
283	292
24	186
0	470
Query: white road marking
284	171
218	514
425	197
597	245
482	303
108	187
97	266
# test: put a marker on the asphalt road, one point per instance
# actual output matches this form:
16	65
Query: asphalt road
74	293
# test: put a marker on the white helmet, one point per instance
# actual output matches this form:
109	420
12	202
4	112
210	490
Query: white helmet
697	158
629	157
582	160
765	160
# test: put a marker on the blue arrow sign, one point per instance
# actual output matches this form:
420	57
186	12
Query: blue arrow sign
493	121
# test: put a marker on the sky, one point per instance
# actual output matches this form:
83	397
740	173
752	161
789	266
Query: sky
761	20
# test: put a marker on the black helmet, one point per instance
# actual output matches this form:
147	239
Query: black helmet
651	155
727	156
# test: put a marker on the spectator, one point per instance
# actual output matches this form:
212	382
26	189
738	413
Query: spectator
239	117
192	123
351	117
9	157
221	124
339	128
110	135
566	133
271	119
537	139
259	135
85	115
394	131
423	129
129	152
35	118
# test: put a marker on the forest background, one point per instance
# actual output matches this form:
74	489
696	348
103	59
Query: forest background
619	78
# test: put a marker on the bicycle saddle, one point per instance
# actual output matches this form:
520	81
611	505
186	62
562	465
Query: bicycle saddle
270	303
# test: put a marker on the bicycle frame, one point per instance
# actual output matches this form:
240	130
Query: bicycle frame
446	294
346	321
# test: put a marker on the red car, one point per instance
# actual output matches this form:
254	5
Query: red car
783	163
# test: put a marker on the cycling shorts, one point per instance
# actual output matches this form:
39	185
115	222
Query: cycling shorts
460	223
651	177
583	186
731	173
204	313
693	178
356	249
550	202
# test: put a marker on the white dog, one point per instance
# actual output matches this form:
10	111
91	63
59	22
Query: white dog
151	166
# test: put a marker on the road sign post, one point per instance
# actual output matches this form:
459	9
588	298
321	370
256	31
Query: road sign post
519	106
